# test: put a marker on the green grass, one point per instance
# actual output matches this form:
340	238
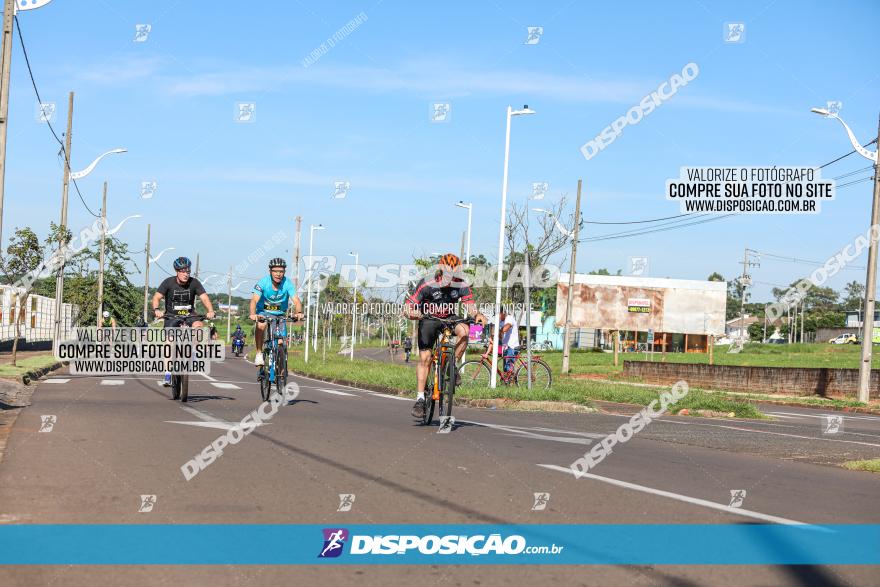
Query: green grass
402	378
753	355
872	465
25	365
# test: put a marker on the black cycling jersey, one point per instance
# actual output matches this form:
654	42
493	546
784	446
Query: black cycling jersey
432	299
180	299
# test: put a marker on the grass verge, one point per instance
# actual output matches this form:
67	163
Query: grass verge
872	466
25	365
582	392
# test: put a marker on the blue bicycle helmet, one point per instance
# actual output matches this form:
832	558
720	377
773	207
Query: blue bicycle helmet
182	263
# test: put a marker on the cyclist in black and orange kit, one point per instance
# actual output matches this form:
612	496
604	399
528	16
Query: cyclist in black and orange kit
437	298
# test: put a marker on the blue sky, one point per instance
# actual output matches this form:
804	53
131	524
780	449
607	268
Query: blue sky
361	114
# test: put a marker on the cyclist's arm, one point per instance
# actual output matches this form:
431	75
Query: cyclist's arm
473	312
410	311
297	305
253	309
207	301
157	297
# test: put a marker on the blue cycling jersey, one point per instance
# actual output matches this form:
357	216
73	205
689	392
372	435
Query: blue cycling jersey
273	301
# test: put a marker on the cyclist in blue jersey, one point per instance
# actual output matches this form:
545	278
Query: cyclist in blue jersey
272	295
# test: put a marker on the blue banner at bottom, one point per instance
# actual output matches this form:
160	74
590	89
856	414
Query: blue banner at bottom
660	544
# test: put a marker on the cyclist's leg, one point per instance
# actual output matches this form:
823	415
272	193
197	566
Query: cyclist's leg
429	330
462	332
259	335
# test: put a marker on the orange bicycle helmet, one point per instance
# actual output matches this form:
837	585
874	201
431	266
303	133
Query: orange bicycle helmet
450	261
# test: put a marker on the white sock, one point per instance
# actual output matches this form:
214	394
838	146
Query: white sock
421	395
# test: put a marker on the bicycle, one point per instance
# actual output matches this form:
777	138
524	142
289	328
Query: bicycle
478	373
440	384
274	368
179	383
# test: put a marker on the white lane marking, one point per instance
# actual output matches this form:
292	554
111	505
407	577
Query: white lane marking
335	392
821	416
112	382
388	396
200	415
57	380
526	434
686	498
741	429
217	425
225	385
208	377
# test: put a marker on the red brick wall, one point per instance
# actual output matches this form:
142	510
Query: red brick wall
789	380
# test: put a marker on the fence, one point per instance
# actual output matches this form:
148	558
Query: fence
36	319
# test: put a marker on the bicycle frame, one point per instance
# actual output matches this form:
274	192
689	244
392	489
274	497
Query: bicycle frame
506	376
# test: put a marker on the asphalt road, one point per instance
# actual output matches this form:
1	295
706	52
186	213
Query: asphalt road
116	439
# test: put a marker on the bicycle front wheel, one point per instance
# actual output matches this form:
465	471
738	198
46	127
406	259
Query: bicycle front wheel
541	375
474	375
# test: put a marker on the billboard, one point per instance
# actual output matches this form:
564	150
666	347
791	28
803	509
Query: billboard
614	302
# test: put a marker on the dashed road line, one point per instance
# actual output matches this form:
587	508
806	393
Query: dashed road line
686	498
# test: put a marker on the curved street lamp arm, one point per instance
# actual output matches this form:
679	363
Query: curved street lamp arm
871	155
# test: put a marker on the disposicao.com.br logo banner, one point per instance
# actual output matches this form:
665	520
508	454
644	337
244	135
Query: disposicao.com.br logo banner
417	544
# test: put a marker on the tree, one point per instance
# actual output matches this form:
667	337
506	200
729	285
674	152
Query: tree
24	255
854	294
756	331
715	277
604	271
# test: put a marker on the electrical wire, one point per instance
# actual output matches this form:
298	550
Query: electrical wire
868	144
48	123
639	221
864	179
627	234
801	261
869	167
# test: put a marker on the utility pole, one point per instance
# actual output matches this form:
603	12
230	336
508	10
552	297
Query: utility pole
870	286
566	344
746	281
6	65
197	265
62	245
228	305
803	315
101	260
147	276
296	254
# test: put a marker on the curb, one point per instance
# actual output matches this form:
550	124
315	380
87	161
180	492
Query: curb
491	403
734	395
33	374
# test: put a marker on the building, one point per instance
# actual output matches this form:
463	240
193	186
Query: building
36	319
738	327
675	315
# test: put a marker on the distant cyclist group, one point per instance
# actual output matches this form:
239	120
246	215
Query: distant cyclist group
432	303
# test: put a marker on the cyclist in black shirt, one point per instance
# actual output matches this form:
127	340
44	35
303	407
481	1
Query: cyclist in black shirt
180	293
438	298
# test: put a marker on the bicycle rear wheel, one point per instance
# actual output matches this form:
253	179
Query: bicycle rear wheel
541	375
184	387
474	375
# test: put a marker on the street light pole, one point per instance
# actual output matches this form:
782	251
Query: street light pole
8	13
101	258
510	113
312	229
871	278
470	209
354	306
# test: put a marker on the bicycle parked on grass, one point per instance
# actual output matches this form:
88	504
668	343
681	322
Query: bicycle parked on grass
179	383
274	368
441	382
478	373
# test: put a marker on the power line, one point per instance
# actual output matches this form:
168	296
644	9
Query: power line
639	221
51	128
802	261
864	179
853	172
627	234
868	144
